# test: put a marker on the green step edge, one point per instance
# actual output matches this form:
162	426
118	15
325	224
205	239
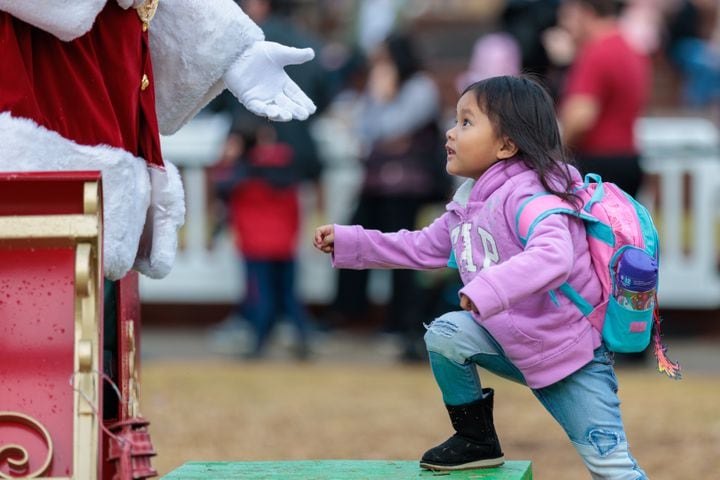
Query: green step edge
340	470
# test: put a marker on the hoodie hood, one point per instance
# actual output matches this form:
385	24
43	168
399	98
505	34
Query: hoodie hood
473	191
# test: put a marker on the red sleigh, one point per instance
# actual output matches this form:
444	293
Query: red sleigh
52	420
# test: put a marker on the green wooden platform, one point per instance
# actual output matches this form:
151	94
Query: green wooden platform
339	470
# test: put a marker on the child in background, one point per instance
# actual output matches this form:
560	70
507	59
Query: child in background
256	175
507	142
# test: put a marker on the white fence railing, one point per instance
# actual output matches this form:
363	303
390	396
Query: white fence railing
674	148
671	148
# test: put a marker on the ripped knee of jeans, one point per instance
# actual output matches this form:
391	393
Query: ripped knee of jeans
604	442
443	326
607	456
440	338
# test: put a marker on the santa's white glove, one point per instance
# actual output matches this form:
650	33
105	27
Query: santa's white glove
259	81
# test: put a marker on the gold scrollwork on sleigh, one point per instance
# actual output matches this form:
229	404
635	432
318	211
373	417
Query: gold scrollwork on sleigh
17	456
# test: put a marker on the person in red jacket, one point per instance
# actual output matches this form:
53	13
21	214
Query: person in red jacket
259	181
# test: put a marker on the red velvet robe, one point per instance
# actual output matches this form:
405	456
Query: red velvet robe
88	90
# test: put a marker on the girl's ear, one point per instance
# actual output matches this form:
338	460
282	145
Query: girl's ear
507	150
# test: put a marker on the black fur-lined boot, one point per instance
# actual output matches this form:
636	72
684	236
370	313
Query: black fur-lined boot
475	443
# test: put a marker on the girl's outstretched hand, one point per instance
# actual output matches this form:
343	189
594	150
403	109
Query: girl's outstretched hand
467	304
325	238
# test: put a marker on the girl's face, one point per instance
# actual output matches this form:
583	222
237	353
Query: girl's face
472	144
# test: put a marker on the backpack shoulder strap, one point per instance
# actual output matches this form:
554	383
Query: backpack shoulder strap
534	210
538	207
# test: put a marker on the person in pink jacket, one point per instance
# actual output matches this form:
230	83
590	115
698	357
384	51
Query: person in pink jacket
513	322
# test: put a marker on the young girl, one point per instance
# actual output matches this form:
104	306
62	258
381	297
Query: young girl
507	142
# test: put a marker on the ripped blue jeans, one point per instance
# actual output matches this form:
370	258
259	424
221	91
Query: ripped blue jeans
585	403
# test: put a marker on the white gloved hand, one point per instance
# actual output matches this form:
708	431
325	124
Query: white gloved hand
259	81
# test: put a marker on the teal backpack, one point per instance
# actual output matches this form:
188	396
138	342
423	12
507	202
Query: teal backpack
615	222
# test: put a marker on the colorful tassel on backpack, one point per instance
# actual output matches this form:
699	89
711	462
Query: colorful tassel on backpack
665	365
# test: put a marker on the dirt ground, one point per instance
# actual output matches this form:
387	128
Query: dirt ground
217	410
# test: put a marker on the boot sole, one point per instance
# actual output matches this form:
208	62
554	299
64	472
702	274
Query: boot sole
489	463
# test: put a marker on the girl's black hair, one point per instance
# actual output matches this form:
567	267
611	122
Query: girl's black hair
521	109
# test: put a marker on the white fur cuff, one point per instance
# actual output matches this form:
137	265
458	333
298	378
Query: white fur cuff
158	245
29	147
66	20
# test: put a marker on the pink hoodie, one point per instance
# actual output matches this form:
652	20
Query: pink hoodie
509	285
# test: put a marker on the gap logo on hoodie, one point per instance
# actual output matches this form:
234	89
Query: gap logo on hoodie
464	233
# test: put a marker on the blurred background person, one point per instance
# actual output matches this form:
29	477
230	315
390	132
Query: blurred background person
404	171
278	20
376	20
526	21
256	177
693	48
305	168
606	90
275	19
641	22
494	54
